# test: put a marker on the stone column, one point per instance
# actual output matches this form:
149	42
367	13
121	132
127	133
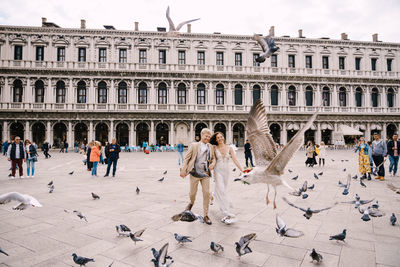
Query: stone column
112	97
132	94
247	96
384	133
91	97
318	96
334	102
50	93
48	133
70	138
192	98
91	133
171	140
283	95
211	126
368	132
70	97
318	134
229	138
172	94
283	134
5	131
111	131
191	133
301	96
351	96
152	93
132	139
151	137
266	95
230	101
28	94
28	134
7	92
211	100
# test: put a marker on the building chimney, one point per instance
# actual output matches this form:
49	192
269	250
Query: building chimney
189	28
83	24
136	26
272	31
375	37
300	33
44	20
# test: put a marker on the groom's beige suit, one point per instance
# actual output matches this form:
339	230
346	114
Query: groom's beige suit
193	153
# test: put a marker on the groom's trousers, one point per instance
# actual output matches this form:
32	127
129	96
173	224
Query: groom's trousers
205	186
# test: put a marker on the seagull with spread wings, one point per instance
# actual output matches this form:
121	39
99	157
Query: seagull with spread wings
172	28
270	166
25	200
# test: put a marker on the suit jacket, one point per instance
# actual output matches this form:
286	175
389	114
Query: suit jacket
190	157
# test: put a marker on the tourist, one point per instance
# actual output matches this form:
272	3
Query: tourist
31	158
46	147
179	148
5	147
364	162
76	147
144	145
322	154
393	147
95	157
310	162
247	154
89	150
112	155
379	151
16	154
62	147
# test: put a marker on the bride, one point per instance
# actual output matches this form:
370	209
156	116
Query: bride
222	175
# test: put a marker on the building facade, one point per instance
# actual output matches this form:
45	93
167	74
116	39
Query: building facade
59	84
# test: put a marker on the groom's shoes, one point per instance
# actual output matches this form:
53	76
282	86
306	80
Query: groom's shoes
189	206
207	220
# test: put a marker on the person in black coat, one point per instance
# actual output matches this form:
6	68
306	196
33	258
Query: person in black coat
46	147
393	150
89	149
112	154
247	154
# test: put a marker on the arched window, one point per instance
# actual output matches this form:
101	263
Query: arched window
342	97
256	93
81	92
102	92
122	93
60	92
358	97
292	96
142	93
238	94
374	97
326	97
201	94
390	97
309	96
220	92
274	95
162	93
17	91
39	91
181	94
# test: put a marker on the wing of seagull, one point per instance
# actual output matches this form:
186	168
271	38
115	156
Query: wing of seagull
171	23
25	200
185	22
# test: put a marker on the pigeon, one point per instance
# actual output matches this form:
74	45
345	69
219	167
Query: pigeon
269	165
308	212
301	190
344	169
95	196
355	177
26	200
234	169
123	230
81	260
50	184
160	257
182	238
321	173
346	160
172	28
295	178
242	247
71	173
371	211
342	160
216	247
333	160
365	216
5	253
394	188
339	237
111	264
362	183
304	196
283	231
268	46
393	219
51	189
290	171
316	176
187	216
80	215
376	205
137	190
165	172
156	254
135	236
358	202
316	256
347	186
162	179
311	187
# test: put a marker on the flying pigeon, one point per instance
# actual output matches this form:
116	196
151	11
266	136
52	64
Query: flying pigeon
316	176
135	236
242	247
394	188
301	190
50	184
308	212
182	239
376	205
347	187
162	179
156	253
5	253
26	200
51	189
362	183
393	219
95	196
339	237
311	187
365	217
81	260
268	46
216	247
137	190
358	202
161	256
371	211
123	230
295	178
172	28
71	173
316	256
283	231
80	215
269	165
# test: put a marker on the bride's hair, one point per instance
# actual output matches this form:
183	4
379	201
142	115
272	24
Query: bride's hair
213	139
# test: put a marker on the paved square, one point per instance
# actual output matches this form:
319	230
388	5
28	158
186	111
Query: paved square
48	236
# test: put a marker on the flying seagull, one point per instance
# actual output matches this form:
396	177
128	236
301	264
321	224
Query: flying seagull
172	28
307	212
315	256
81	260
283	231
216	247
242	247
268	46
26	200
161	257
269	165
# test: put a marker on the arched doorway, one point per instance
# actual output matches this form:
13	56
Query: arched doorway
220	127
122	134
275	131
291	133
162	131
102	133
200	126
238	134
38	133
81	133
142	133
326	136
16	129
59	134
309	135
390	130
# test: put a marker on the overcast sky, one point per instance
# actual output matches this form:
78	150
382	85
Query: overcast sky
318	18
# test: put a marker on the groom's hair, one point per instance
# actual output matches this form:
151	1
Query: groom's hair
204	131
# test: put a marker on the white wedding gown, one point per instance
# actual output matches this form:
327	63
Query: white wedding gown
222	177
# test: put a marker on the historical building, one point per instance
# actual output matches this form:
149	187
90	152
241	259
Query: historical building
82	84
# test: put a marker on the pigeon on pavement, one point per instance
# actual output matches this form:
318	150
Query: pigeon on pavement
339	237
242	247
307	212
344	169
135	236
315	176
362	183
187	216
295	178
290	171
25	200
95	196
81	261
371	211
347	186
182	238
268	46
216	247
165	172
311	187
50	184
321	173
80	215
304	196
376	205
365	217
51	189
283	231
234	169
137	190
5	253
393	219
162	179
355	177
316	256
71	173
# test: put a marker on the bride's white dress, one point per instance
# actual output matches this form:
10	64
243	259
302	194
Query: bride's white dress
222	176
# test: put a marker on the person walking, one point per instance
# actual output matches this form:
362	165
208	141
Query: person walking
62	147
322	154
179	148
16	154
310	162
46	148
5	147
66	146
379	151
95	157
31	158
89	150
247	154
76	147
364	161
393	147
112	154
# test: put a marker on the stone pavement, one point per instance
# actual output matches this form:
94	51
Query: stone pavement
48	236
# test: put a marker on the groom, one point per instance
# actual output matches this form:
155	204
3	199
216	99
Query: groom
198	162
